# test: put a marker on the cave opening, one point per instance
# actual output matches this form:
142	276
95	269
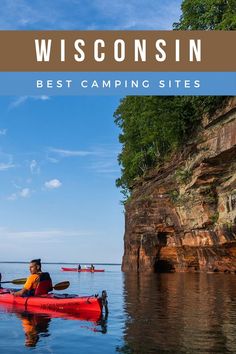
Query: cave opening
162	265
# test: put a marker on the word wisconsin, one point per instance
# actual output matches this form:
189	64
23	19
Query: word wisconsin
118	50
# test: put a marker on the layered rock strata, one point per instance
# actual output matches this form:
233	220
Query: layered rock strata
182	216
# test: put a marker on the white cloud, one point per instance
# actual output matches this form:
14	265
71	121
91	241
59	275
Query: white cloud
42	98
6	161
22	99
18	101
71	153
3	131
34	167
103	158
6	166
53	184
52	159
24	193
99	151
13	196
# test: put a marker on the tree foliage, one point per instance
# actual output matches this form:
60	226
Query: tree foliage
207	15
153	127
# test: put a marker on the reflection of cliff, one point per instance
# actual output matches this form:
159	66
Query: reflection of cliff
182	217
179	313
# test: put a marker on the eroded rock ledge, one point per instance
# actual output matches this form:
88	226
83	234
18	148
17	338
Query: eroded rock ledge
182	216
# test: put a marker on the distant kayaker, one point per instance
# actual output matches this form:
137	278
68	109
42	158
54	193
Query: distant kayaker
38	283
92	267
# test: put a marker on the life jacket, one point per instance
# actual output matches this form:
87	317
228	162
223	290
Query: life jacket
44	284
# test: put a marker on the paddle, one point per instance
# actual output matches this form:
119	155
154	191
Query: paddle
59	286
15	281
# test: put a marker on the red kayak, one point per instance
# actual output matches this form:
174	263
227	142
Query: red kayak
82	270
65	304
83	316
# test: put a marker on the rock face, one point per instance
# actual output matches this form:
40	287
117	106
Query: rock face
182	216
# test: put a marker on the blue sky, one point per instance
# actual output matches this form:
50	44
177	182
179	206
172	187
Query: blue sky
58	155
89	14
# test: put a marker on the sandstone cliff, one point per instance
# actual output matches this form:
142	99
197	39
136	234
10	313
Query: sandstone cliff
182	216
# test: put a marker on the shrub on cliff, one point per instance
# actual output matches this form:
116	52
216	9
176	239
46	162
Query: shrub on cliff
153	127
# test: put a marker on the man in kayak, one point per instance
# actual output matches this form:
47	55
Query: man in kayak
38	283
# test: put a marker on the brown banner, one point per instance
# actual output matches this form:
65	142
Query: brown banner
104	51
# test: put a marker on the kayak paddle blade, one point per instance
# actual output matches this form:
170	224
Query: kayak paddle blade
61	286
15	281
19	281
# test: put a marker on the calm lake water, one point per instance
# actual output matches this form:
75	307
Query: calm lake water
165	313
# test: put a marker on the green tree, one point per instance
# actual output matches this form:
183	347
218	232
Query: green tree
154	127
207	15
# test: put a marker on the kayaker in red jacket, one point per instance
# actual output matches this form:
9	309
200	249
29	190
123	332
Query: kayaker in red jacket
38	283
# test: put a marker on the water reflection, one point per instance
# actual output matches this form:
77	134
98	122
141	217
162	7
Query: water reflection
34	326
179	313
102	323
